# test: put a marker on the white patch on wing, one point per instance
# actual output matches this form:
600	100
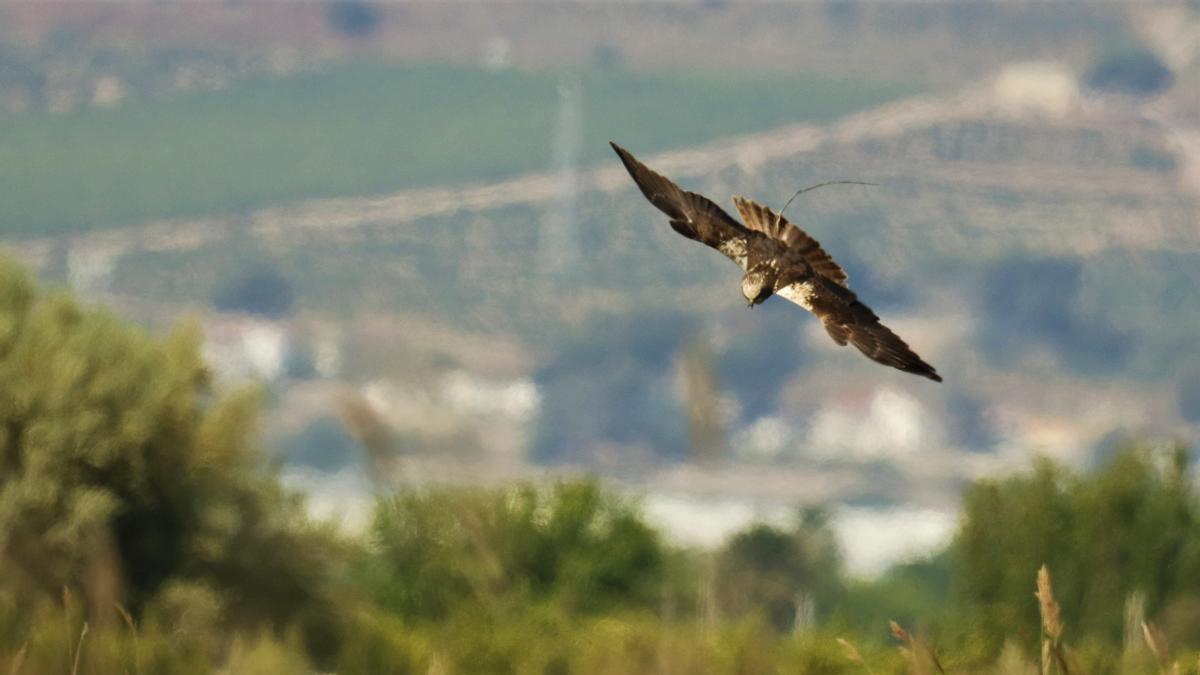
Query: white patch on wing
799	293
735	250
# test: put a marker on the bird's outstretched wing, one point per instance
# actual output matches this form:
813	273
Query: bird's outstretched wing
848	320
692	215
763	219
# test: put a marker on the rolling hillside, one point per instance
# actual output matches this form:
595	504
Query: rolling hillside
365	130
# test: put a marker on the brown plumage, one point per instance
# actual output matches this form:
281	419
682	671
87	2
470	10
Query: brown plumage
763	219
779	259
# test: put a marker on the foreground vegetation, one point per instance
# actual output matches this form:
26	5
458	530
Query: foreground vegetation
141	531
366	129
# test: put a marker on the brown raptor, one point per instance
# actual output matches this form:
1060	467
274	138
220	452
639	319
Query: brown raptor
778	259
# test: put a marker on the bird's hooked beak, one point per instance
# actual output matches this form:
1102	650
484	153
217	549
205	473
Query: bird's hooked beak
750	304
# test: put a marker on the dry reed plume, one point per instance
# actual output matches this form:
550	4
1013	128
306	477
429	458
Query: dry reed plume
19	659
1156	642
916	651
853	654
1053	652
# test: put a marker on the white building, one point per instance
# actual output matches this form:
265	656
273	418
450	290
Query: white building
240	346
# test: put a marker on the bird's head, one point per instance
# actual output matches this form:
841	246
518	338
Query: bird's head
755	287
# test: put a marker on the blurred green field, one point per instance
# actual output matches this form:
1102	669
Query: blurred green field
366	129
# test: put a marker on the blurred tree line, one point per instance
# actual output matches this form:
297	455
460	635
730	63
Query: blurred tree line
1028	302
1134	70
142	530
615	380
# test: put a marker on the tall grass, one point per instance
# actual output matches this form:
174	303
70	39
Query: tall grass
519	638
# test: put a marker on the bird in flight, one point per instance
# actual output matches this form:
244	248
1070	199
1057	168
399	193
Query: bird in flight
778	259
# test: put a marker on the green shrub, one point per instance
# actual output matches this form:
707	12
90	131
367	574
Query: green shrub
574	543
125	476
1131	526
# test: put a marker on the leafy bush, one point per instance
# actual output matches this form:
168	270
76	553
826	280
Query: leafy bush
1134	525
782	574
913	593
378	643
121	470
576	544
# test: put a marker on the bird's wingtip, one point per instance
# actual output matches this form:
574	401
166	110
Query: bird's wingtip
627	158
